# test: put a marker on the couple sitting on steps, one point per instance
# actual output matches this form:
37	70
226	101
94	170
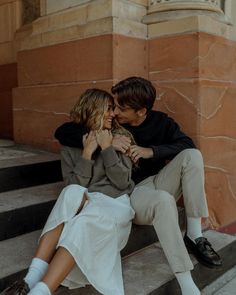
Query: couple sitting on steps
114	155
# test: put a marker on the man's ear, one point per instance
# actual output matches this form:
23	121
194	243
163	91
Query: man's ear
142	112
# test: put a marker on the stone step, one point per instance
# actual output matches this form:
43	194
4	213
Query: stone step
146	271
224	285
22	166
26	210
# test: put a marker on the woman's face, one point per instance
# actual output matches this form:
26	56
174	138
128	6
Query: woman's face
108	116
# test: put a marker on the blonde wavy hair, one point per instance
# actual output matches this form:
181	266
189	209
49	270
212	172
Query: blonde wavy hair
90	109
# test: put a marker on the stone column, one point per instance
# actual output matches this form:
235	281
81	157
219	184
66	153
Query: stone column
164	10
192	51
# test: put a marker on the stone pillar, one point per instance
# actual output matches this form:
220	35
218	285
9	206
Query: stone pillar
164	10
192	53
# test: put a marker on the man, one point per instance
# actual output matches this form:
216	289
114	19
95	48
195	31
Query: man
159	185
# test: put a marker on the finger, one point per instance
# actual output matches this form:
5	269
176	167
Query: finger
134	153
136	158
127	140
133	148
91	134
126	144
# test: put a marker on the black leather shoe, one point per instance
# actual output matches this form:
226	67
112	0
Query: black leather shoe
203	251
17	288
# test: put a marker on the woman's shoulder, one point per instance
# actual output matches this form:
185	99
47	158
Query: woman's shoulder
70	150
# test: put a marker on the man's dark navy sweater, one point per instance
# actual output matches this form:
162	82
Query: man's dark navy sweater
158	131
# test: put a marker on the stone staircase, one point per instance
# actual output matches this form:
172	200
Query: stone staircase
30	181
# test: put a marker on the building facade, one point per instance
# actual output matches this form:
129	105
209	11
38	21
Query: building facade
52	50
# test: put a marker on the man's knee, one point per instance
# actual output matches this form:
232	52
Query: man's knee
164	208
165	201
148	203
193	156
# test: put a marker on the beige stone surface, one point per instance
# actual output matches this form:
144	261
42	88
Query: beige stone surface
129	28
140	2
53	6
191	24
169	5
88	19
10	21
127	10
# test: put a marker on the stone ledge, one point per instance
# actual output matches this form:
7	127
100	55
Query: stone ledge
108	25
191	24
90	19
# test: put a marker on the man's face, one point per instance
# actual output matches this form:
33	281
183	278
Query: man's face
127	115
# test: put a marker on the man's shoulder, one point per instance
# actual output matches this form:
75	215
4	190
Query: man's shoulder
69	125
69	128
158	116
70	134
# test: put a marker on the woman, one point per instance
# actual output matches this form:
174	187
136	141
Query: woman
91	220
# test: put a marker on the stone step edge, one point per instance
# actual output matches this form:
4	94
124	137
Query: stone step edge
202	275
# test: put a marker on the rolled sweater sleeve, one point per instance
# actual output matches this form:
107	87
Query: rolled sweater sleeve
175	142
118	167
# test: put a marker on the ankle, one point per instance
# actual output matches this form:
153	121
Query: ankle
187	284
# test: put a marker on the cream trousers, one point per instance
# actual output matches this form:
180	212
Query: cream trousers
154	202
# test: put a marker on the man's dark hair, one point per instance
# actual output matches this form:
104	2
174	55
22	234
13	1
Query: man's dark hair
135	92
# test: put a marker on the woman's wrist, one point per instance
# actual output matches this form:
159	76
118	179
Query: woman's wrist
105	145
86	154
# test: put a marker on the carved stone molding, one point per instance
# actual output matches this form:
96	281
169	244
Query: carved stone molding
165	5
31	10
163	10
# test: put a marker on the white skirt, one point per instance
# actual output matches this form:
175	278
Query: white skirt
94	237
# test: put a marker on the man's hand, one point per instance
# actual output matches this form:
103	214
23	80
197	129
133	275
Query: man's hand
121	143
90	145
136	152
104	138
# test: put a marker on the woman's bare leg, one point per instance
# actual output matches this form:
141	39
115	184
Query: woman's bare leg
60	266
47	244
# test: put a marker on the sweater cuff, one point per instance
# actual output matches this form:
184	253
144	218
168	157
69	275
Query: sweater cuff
155	149
84	167
109	156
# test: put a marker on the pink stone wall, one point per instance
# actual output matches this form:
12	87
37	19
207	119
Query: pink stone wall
52	78
195	77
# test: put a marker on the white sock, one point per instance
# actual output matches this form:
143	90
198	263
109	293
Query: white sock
194	227
187	284
40	289
36	272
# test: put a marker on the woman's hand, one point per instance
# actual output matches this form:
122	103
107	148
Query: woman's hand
104	138
90	145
